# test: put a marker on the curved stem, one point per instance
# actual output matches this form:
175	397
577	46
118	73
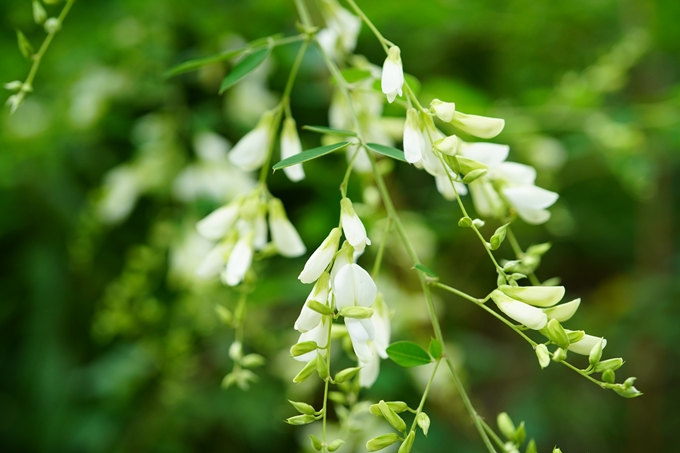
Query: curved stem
425	393
520	254
381	249
383	42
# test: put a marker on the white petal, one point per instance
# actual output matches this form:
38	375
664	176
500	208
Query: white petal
284	235
479	126
515	173
345	257
393	74
239	262
529	196
563	312
307	320
369	372
213	263
215	225
539	296
525	314
319	335
586	344
444	110
211	147
381	323
260	229
321	258
354	286
489	154
354	229
486	199
360	338
291	146
412	140
250	153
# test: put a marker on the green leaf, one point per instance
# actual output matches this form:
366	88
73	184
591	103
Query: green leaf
388	151
244	67
197	63
24	45
330	131
435	348
309	155
426	270
408	354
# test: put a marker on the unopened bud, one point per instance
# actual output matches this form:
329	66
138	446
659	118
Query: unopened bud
557	334
609	376
465	222
236	351
596	353
408	443
447	145
52	25
444	110
505	425
498	237
300	420
306	372
303	348
346	374
316	443
322	366
543	355
337	443
610	364
474	175
392	418
560	355
380	442
424	422
303	408
356	312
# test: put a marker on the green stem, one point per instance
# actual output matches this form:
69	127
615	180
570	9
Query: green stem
383	42
303	11
425	393
325	390
520	254
381	249
493	435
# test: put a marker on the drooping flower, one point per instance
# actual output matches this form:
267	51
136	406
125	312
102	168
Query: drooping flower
217	223
413	140
479	126
321	258
250	153
319	335
381	323
286	238
538	296
586	344
291	146
445	111
309	318
563	312
239	262
393	74
354	229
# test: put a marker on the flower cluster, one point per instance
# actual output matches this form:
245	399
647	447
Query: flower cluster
240	227
341	284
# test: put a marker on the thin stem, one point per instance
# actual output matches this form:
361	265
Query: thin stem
303	11
384	42
325	390
381	249
425	393
520	254
493	435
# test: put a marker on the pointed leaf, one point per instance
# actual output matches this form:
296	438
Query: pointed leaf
309	155
426	270
388	151
24	45
329	130
435	348
244	67
408	354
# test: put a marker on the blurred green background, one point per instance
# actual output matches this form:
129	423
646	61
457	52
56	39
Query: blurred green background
105	350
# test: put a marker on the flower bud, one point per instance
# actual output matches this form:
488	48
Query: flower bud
479	126
560	355
284	235
448	145
596	353
303	408
505	425
575	335
392	418
354	229
337	443
299	420
306	372
380	442
543	355
609	364
474	175
498	237
423	420
392	74
322	367
465	222
235	351
252	361
466	165
609	376
408	443
444	110
356	312
52	25
316	443
39	13
557	334
303	348
346	374
413	140
13	86
251	152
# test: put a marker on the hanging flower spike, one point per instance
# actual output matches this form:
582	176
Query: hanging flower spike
285	236
250	153
321	258
290	146
354	229
393	74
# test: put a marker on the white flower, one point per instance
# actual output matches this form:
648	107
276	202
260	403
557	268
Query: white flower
563	312
354	229
260	229
319	335
525	314
290	146
345	24
413	140
215	225
448	145
239	262
250	153
214	261
321	258
211	147
121	190
586	344
479	126
361	332
309	318
444	110
353	286
393	74
344	257
381	323
285	236
531	202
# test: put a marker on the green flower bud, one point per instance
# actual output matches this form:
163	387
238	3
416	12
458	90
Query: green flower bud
396	406
346	375
474	175
303	408
465	222
543	355
424	422
303	348
337	397
392	418
322	367
306	372
610	364
252	361
505	425
499	236
609	376
380	442
356	312
531	447
557	334
337	443
316	443
560	355
224	314
539	249
300	420
575	335
596	353
520	434
408	443
556	450
478	223
39	13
